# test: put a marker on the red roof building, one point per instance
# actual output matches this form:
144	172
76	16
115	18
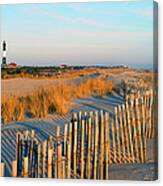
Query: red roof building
12	65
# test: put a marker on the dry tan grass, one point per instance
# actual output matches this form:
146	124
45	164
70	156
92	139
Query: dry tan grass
23	86
52	99
93	87
13	108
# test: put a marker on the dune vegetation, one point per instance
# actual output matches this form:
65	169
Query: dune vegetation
47	72
52	99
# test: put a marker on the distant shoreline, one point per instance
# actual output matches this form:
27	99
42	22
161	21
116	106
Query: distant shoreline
137	66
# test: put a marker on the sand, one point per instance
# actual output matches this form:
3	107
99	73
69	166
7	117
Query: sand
25	86
47	126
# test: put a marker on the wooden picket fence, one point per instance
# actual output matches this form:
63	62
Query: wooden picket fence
89	143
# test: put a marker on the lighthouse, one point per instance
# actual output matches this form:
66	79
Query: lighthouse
4	61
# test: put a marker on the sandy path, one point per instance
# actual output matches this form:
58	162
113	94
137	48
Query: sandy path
24	86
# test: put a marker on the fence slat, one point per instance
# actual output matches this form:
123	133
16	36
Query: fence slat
44	146
82	150
101	144
25	166
75	149
14	168
68	161
122	132
135	138
113	142
59	159
96	146
150	113
117	135
126	132
38	160
89	150
63	169
139	130
130	133
65	137
107	145
143	117
2	170
50	154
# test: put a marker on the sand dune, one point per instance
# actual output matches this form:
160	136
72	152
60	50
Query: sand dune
24	86
47	126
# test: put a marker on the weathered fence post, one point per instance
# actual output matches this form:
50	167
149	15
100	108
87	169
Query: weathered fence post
96	146
70	136
25	166
68	161
50	141
38	160
18	153
58	134
147	113
145	147
92	132
143	117
82	150
25	139
154	114
50	154
122	133
89	150
2	170
101	144
44	146
117	135
75	149
113	142
130	132
144	106
14	168
65	138
59	159
80	116
135	138
150	113
107	145
126	132
63	168
31	153
86	129
139	130
56	167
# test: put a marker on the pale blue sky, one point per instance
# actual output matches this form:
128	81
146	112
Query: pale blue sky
105	33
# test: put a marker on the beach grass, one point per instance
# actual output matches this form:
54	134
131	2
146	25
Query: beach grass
52	99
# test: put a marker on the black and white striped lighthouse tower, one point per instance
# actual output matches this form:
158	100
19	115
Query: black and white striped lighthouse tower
4	61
